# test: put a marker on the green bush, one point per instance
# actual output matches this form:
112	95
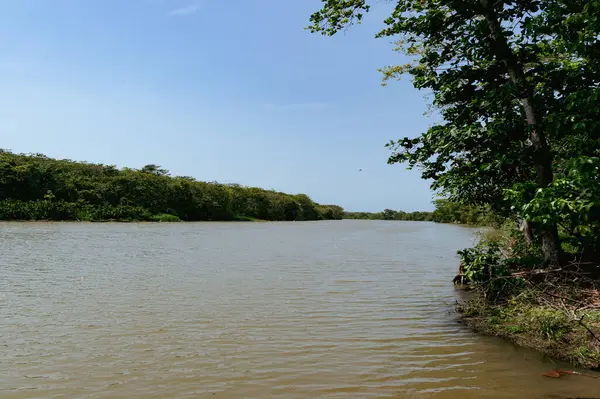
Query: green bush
482	262
489	270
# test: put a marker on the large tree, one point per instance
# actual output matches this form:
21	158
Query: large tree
508	78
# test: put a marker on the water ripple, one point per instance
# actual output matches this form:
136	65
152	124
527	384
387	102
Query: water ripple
286	310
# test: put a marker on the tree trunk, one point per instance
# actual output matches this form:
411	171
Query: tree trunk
525	228
542	158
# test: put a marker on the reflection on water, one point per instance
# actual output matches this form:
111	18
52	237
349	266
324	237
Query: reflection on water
350	309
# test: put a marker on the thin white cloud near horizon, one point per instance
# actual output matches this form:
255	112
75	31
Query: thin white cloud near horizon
188	10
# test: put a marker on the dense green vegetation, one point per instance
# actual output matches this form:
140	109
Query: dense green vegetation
517	87
35	187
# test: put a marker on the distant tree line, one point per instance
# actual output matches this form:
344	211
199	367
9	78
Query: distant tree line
390	214
36	187
445	212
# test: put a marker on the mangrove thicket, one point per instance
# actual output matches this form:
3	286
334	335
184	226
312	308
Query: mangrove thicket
36	187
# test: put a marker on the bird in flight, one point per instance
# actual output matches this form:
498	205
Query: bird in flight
360	170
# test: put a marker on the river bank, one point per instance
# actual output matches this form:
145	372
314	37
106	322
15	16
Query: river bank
563	334
555	311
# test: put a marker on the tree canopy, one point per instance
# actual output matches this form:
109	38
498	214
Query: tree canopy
37	187
517	87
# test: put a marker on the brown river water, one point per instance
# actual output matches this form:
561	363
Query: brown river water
340	309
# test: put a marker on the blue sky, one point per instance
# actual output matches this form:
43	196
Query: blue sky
230	91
